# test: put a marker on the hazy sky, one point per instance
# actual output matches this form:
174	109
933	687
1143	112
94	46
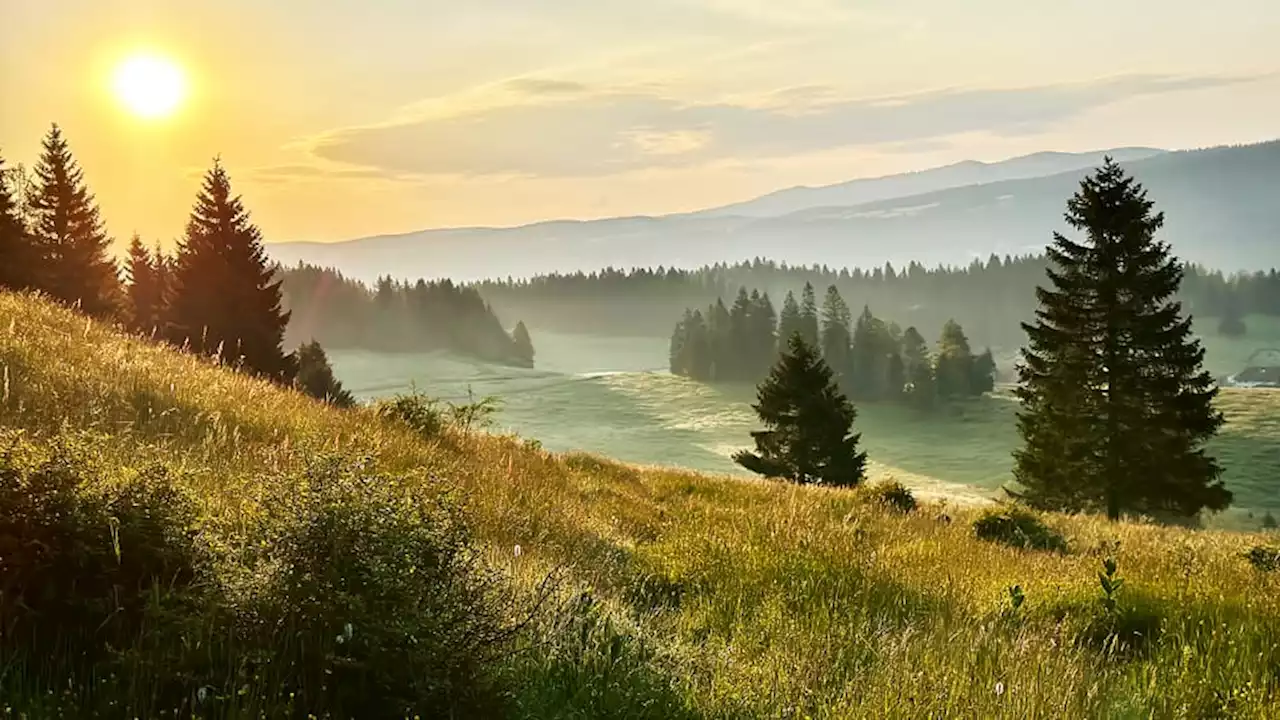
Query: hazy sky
344	118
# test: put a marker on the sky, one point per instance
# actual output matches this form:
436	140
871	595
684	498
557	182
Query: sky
340	119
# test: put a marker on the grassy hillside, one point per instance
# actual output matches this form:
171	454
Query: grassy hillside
603	395
675	595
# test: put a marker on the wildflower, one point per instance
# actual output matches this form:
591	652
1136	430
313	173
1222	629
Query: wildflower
517	551
999	689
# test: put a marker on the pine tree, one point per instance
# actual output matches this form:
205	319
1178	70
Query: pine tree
808	436
678	351
225	300
1116	406
69	235
315	377
896	376
984	373
953	368
789	321
523	344
809	330
764	342
870	349
145	295
19	259
919	369
835	332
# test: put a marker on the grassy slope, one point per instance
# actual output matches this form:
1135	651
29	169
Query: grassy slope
714	597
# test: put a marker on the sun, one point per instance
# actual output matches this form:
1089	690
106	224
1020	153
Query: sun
149	86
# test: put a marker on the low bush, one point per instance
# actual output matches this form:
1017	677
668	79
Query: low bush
1017	527
894	495
398	615
420	413
1264	558
88	561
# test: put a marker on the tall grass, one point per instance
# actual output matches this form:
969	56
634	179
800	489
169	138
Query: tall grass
675	595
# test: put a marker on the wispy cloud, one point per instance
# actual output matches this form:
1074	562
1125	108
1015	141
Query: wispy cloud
571	130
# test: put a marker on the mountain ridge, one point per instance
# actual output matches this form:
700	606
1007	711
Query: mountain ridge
1221	203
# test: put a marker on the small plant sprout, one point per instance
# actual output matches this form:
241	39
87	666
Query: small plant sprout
1016	596
1110	583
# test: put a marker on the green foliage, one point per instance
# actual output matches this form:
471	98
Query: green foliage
809	421
1264	557
93	557
1101	431
420	413
1268	521
474	414
315	377
1017	527
1016	597
894	495
400	614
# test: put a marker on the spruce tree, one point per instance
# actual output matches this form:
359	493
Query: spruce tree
836	335
678	350
225	300
953	368
315	377
19	259
145	301
69	235
789	321
984	373
809	327
1116	406
808	436
919	369
764	342
523	344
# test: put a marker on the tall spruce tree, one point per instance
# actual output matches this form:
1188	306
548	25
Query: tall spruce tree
836	335
225	300
1116	406
919	369
19	259
789	321
764	325
68	233
808	436
809	326
984	373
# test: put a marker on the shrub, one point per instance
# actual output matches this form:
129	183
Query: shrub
396	614
1264	558
1017	527
88	563
419	413
315	377
894	495
1268	521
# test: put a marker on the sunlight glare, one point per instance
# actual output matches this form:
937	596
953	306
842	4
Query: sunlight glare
149	86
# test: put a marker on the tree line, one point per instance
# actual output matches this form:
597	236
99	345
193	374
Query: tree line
398	316
989	297
1115	405
217	296
870	359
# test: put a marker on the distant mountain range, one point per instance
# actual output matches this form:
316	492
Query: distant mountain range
1222	209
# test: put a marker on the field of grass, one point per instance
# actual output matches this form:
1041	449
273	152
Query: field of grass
609	396
673	594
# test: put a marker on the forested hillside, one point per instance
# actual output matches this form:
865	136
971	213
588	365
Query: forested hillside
989	298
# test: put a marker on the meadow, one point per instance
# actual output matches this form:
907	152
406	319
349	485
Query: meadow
598	589
612	396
